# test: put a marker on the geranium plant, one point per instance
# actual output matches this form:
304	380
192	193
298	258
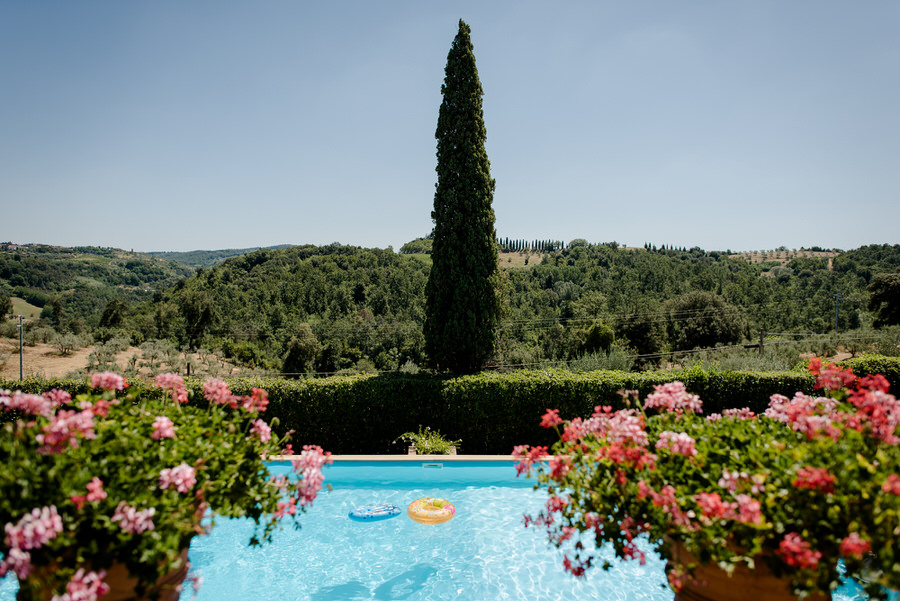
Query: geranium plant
117	477
429	442
814	480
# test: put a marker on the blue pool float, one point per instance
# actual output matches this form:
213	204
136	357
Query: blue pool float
373	513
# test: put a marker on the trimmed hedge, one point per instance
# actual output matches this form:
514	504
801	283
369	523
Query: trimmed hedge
489	412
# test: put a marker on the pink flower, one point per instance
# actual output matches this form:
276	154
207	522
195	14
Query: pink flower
99	407
163	428
527	457
256	402
673	397
84	587
16	561
556	503
811	416
35	529
796	552
181	477
742	414
95	493
748	510
829	376
309	467
63	431
174	383
169	381
711	505
677	442
854	546
133	521
879	411
288	507
58	397
551	419
560	466
95	490
815	478
217	391
262	430
892	484
108	380
730	480
30	404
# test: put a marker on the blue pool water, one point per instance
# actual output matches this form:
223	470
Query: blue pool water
483	553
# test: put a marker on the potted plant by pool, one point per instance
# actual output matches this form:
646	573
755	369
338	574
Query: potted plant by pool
101	494
428	442
742	506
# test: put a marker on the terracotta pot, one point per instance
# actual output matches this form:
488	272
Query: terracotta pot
711	583
122	585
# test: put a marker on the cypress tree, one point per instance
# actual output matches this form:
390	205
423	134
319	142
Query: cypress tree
463	293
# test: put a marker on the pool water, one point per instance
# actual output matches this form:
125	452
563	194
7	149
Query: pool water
483	553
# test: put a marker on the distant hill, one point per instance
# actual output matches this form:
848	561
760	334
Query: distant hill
204	259
78	282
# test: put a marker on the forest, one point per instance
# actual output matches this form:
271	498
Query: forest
306	310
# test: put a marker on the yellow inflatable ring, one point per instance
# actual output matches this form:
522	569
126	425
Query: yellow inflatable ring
431	511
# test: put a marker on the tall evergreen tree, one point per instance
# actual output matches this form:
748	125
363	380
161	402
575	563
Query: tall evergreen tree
463	294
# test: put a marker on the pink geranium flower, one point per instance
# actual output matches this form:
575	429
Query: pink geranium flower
217	391
892	484
108	380
64	430
262	430
181	477
133	521
163	428
855	546
29	404
796	552
677	442
309	468
84	586
815	478
18	562
35	529
95	493
175	384
673	397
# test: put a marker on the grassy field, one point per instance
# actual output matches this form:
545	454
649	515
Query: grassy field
518	260
20	307
783	256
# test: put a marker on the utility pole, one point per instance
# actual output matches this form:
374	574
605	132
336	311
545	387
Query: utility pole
762	339
21	330
837	304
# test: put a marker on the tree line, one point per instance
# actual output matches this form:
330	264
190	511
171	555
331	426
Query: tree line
344	308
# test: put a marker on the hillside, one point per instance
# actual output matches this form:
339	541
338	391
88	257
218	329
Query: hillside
340	308
73	285
203	259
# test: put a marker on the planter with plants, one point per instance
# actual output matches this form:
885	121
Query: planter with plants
101	494
428	442
743	506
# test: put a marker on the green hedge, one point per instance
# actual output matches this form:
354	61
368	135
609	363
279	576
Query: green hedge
490	412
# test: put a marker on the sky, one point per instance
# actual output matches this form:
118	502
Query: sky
172	126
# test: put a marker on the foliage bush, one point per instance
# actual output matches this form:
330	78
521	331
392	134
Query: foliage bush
492	412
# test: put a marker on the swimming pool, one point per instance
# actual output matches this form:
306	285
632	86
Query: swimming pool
483	553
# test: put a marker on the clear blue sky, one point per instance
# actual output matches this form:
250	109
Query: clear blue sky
171	125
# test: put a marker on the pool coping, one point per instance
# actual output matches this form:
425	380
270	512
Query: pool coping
409	458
